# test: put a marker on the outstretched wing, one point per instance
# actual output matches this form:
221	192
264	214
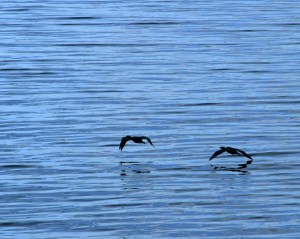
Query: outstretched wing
218	152
244	154
149	140
123	142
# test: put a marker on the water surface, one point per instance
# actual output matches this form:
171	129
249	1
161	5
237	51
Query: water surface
75	78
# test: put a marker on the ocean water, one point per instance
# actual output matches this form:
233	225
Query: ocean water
77	76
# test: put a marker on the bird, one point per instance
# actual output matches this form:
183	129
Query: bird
136	139
231	151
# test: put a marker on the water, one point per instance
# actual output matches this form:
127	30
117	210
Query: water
77	76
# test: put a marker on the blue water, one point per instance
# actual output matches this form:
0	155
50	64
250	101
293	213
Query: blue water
77	76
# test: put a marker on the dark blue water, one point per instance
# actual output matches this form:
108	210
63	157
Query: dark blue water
77	76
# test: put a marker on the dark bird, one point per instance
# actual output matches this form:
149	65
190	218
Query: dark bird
136	139
231	151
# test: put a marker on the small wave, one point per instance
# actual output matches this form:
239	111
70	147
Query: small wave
275	153
200	104
15	166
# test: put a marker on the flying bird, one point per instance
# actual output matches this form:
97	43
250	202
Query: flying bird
136	139
231	151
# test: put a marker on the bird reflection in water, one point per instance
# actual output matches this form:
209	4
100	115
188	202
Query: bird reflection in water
127	169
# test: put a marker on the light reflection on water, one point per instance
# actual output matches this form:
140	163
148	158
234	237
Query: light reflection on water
75	79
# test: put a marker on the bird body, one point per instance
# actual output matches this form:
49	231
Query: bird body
136	139
230	150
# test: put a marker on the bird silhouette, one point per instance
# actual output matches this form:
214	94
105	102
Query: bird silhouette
136	139
231	151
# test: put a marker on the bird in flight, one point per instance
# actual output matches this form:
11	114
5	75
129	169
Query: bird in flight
231	151
136	139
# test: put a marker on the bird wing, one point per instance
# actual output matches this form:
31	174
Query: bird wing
123	142
243	153
217	153
149	140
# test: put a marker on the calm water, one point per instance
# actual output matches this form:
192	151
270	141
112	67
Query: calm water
77	76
